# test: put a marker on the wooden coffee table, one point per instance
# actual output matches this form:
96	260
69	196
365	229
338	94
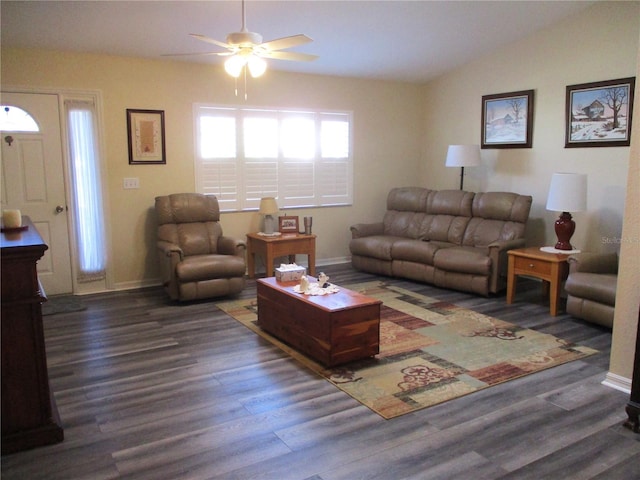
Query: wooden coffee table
332	329
551	268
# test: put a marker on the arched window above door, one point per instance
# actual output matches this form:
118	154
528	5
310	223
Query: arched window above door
15	119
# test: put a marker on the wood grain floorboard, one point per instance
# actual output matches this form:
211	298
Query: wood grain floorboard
153	389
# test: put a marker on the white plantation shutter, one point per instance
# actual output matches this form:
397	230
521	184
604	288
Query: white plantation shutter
302	158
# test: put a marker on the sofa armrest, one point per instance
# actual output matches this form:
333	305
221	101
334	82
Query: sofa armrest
503	246
231	246
366	229
500	262
593	262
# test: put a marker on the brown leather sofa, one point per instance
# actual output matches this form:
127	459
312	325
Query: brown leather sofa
197	260
591	287
450	238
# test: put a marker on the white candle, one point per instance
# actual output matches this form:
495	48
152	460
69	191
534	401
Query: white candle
12	218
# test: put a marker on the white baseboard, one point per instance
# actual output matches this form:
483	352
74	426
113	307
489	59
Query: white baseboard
617	382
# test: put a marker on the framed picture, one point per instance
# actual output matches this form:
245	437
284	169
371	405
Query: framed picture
288	224
145	131
598	114
507	120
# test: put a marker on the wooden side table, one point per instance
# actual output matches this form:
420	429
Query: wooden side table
551	268
288	244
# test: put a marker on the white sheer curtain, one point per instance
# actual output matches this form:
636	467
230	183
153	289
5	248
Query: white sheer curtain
87	191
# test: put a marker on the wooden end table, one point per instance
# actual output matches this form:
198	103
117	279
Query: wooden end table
551	268
288	244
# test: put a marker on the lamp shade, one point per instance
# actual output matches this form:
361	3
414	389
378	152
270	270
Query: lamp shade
268	206
568	192
463	156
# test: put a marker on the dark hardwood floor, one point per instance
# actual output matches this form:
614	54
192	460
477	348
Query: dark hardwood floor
149	389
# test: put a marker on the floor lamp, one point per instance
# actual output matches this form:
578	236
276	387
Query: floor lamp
463	156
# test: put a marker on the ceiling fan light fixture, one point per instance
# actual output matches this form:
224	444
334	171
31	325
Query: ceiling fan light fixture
257	66
234	65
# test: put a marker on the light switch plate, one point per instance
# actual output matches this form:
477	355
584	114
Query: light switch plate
131	183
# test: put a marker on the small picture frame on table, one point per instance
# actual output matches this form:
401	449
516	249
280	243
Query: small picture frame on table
288	224
145	132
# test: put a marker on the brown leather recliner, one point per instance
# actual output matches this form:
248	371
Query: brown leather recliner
197	261
591	287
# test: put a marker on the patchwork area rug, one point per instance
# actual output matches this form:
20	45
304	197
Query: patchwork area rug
430	351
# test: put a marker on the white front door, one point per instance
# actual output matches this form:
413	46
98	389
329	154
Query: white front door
32	177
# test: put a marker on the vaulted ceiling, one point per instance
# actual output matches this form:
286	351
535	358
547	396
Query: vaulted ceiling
410	41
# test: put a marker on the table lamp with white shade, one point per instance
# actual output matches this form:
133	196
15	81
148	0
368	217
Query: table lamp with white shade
268	208
567	193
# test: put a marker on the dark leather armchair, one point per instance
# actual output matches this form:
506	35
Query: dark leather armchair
591	287
197	261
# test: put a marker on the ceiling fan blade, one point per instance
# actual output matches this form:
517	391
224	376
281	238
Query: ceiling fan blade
222	54
204	38
294	56
286	42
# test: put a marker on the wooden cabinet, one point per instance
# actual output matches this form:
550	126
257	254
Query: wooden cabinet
633	406
29	414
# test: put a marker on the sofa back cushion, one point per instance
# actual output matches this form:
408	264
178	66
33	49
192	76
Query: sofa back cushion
405	210
497	216
447	214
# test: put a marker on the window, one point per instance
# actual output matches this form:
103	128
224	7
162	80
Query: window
303	158
14	119
87	192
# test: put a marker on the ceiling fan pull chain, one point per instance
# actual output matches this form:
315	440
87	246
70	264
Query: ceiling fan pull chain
245	83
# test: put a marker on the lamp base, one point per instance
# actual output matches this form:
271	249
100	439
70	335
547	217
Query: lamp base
564	226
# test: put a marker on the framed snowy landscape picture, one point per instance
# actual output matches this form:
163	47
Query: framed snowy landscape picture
598	114
507	120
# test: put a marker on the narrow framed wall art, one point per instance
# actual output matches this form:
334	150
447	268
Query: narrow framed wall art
145	132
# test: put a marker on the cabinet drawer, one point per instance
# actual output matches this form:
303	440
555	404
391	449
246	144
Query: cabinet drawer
532	266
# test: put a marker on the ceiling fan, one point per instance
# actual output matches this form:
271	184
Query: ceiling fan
246	48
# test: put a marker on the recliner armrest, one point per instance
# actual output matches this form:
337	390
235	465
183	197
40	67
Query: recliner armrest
593	262
168	249
231	246
366	229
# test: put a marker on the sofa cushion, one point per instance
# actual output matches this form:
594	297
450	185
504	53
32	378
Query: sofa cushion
481	232
504	206
414	251
204	267
375	246
408	199
463	259
399	224
598	287
450	202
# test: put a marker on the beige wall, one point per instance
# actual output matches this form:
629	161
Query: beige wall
628	292
598	44
387	139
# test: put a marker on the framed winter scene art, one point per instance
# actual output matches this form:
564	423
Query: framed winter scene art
507	120
598	114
